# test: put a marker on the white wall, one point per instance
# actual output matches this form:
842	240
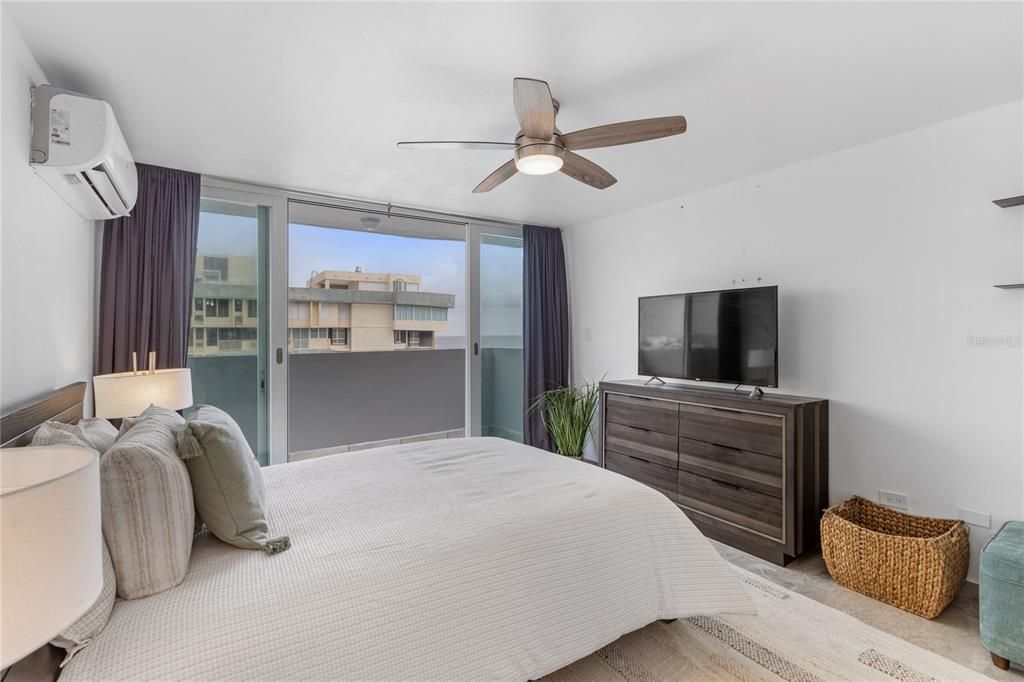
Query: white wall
885	256
47	255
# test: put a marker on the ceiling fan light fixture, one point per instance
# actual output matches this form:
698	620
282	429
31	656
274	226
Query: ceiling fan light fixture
539	158
539	164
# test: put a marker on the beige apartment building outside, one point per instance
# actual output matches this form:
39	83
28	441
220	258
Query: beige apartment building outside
335	312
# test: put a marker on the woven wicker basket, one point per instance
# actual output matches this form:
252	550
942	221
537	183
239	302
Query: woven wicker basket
916	563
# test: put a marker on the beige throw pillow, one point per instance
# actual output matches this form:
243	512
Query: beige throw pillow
98	434
226	480
148	513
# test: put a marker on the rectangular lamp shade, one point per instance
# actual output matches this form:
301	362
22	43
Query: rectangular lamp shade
128	394
51	568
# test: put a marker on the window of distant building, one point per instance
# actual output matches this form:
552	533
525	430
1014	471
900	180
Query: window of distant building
215	268
238	305
399	285
298	310
299	338
252	308
339	336
414	339
199	305
211	337
217	307
421	312
238	334
400	336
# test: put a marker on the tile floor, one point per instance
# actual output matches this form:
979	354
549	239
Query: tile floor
954	634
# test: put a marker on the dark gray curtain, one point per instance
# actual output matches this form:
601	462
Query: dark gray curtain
146	275
545	324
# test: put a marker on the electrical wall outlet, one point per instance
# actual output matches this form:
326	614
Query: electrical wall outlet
975	518
894	500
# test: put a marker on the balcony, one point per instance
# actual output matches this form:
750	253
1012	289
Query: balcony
231	290
336	400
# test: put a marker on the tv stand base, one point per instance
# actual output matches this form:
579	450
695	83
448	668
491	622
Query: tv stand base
658	379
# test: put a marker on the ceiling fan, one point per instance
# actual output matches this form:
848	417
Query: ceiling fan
540	148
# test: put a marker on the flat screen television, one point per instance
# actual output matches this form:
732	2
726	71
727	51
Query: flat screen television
730	336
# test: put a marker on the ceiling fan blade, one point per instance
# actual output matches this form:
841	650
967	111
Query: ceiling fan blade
587	172
504	172
534	107
451	144
625	133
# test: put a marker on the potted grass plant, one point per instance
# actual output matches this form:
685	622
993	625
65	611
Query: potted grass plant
567	413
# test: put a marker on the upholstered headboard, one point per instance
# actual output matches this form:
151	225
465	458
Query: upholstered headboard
63	405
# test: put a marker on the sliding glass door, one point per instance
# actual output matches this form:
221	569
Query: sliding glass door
228	347
500	255
323	325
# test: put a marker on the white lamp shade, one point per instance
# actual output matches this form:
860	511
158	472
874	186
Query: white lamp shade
51	568
128	394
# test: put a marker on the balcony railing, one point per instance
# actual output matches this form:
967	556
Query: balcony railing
345	398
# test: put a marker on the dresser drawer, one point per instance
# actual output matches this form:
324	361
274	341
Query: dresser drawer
661	478
643	413
651	446
762	433
746	508
752	470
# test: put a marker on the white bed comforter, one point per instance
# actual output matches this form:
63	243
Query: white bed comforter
472	559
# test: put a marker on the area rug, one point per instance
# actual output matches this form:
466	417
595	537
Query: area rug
791	638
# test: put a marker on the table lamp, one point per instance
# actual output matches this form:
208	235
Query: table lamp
128	394
51	569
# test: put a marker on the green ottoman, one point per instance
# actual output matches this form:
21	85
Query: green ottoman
1002	595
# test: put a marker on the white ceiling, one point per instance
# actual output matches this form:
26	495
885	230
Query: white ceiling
314	96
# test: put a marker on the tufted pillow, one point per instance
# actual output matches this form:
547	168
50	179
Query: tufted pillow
77	635
226	480
98	434
148	512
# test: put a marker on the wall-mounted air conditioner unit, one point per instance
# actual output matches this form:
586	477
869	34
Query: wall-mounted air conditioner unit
78	148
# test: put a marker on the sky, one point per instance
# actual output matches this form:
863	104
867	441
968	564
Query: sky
440	262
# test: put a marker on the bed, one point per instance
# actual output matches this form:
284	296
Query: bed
463	559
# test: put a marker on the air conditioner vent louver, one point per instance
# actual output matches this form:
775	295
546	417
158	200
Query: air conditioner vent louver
73	179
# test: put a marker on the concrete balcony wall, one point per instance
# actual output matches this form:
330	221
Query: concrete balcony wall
229	382
502	389
345	398
342	398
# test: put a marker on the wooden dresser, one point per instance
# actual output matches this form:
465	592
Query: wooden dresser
749	472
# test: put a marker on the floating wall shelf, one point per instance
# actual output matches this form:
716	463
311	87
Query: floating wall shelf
1007	203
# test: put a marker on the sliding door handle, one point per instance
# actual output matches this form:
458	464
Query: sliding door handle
280	356
476	348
